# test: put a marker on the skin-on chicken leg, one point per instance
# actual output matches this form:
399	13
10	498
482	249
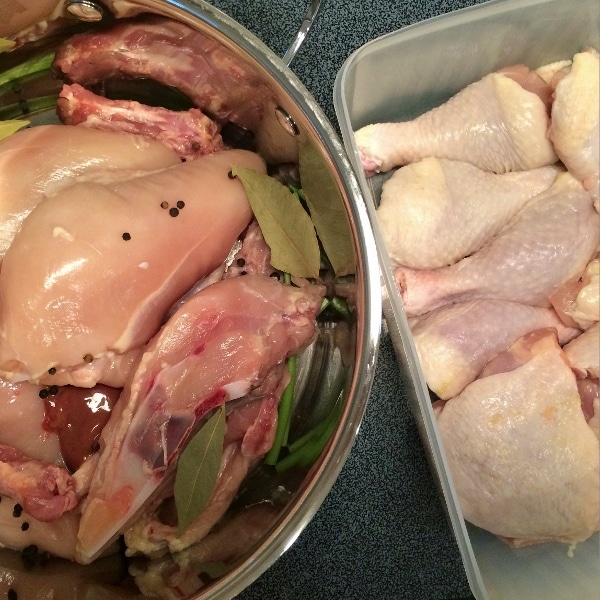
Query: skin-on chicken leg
436	211
495	124
548	242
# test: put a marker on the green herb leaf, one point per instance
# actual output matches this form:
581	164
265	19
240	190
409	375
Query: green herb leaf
7	128
36	65
198	469
285	224
6	45
327	210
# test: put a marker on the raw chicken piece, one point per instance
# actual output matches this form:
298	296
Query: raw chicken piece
549	241
105	262
437	211
575	128
188	133
217	347
495	124
249	436
523	459
22	422
35	163
584	353
455	342
44	490
214	78
577	302
57	537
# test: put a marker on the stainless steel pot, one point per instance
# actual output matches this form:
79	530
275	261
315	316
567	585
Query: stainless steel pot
294	117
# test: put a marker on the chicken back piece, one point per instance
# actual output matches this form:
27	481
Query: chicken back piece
575	127
547	243
523	459
36	162
436	211
495	124
214	78
188	133
95	267
218	346
455	342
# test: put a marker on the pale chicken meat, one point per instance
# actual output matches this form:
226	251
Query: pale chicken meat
36	163
217	347
455	342
495	123
523	459
103	263
548	242
57	537
577	302
575	124
435	211
22	422
584	357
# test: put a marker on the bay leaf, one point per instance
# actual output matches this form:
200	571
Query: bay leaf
327	210
198	469
286	226
7	128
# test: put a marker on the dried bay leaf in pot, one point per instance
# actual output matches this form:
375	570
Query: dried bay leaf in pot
198	469
285	225
326	209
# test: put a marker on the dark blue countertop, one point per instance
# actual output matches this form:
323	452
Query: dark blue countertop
382	531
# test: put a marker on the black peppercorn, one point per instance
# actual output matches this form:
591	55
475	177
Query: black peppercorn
180	204
126	236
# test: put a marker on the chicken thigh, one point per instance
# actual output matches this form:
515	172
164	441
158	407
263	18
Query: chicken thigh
103	263
495	123
523	459
436	211
549	241
455	342
575	128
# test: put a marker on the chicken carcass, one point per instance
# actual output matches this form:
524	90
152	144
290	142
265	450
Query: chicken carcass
575	127
35	163
455	342
523	459
218	346
103	263
436	211
495	123
548	242
188	133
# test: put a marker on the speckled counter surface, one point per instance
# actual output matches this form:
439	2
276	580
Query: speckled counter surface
382	532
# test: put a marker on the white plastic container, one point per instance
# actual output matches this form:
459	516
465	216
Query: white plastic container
395	78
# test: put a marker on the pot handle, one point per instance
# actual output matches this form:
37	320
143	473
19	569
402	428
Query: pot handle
309	18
